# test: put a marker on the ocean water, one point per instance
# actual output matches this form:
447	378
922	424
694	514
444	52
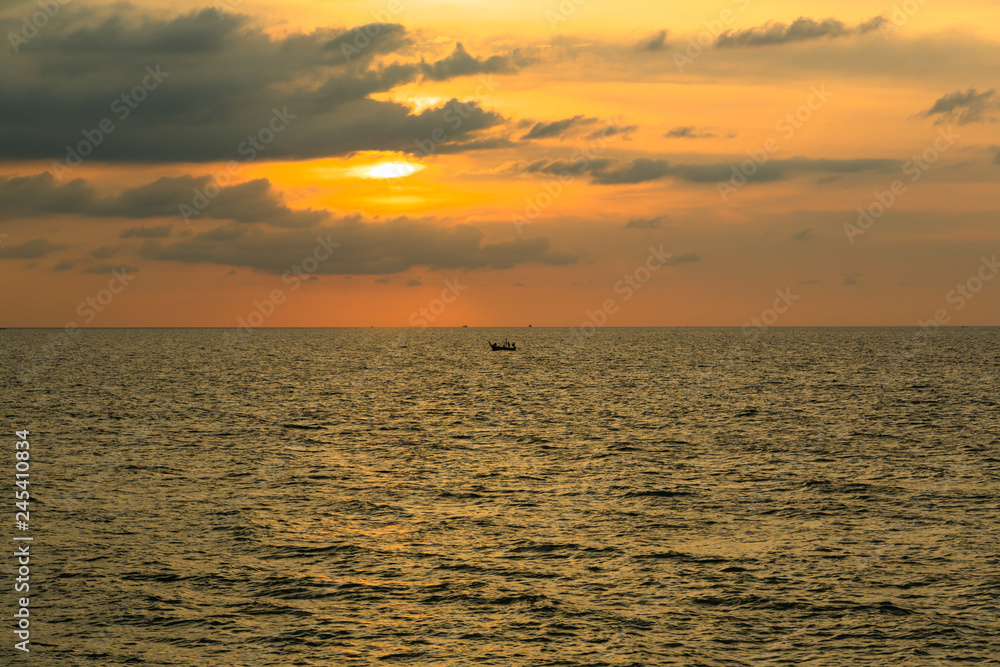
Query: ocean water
408	497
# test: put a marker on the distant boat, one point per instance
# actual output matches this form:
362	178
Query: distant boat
507	346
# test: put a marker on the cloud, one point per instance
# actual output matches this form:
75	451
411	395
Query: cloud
966	107
639	171
811	281
160	232
365	248
413	282
219	85
108	268
852	278
688	132
613	131
687	258
63	265
646	169
996	158
32	249
557	128
460	63
646	223
655	43
800	30
804	235
104	252
252	202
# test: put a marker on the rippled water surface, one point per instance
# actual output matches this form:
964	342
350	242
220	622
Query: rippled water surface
407	497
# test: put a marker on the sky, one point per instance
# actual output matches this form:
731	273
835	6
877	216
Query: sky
431	163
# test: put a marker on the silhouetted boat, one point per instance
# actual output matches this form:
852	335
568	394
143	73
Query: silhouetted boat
507	346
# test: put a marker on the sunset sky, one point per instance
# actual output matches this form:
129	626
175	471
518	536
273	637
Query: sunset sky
350	163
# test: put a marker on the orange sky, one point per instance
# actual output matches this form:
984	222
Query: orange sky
590	141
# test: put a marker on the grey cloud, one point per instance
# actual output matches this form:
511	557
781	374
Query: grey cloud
804	235
655	43
687	258
960	107
852	278
63	265
557	128
996	158
108	268
811	281
160	232
613	131
219	84
646	223
801	29
364	248
104	252
639	171
252	202
32	249
645	169
460	63
689	132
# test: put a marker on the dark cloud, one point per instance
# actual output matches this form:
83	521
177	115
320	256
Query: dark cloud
365	248
253	201
800	30
160	232
108	268
689	132
460	63
63	265
655	43
557	167
996	158
639	171
219	85
688	258
804	235
32	249
413	282
613	131
104	252
811	281
852	278
960	107
646	223
557	128
645	169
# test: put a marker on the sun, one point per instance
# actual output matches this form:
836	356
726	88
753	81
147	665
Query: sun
392	169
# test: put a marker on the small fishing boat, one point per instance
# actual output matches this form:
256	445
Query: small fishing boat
506	346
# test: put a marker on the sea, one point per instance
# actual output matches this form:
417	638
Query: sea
610	496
